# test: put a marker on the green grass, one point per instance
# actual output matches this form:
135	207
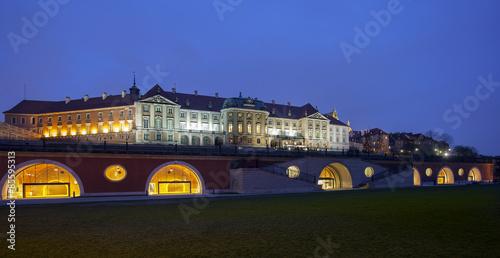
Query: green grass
428	221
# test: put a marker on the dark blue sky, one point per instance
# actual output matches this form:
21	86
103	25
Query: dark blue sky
413	72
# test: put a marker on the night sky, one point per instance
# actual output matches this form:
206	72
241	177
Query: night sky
398	65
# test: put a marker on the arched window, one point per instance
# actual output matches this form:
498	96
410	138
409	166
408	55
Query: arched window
369	171
115	173
249	128
257	129
230	128
292	171
174	179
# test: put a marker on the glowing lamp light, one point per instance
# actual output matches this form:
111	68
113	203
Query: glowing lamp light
94	131
125	129
84	132
54	134
64	133
117	129
73	133
105	130
47	135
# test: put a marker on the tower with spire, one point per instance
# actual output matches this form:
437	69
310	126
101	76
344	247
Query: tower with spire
134	91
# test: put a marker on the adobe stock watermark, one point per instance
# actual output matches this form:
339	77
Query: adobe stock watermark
372	29
220	179
31	27
463	110
222	7
156	74
11	189
325	248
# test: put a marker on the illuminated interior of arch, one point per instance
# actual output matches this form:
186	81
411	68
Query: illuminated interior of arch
445	176
43	181
416	177
327	179
474	175
174	179
292	171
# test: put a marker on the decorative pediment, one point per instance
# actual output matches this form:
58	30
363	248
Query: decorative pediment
317	115
159	99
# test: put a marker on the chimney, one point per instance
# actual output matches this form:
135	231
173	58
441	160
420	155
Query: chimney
289	103
124	93
274	102
217	95
196	93
104	95
256	98
67	100
173	90
85	98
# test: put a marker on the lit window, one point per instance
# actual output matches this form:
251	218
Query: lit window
230	115
461	172
240	128
240	115
369	171
158	123
230	128
258	128
115	173
194	126
182	125
204	127
428	171
292	171
249	128
170	124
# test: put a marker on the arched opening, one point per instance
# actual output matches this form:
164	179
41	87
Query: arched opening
206	141
416	177
184	140
335	176
474	175
445	176
175	178
218	141
195	141
42	179
274	143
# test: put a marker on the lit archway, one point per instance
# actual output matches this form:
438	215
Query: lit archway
175	178
474	175
416	177
335	176
445	176
42	179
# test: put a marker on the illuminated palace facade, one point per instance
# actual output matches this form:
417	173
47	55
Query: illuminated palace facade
169	117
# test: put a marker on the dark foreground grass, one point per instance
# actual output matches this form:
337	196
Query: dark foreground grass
431	221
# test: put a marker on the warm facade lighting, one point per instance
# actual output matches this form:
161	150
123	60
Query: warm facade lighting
105	130
125	129
54	134
73	133
117	129
64	133
84	132
94	131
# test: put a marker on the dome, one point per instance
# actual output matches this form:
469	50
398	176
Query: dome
247	103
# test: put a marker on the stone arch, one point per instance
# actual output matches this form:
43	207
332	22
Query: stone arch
195	140
416	176
335	176
201	183
445	176
218	141
22	166
185	141
474	174
207	141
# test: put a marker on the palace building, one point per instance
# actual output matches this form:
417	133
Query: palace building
169	117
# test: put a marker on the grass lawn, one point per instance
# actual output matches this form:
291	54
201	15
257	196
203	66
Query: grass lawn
424	221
